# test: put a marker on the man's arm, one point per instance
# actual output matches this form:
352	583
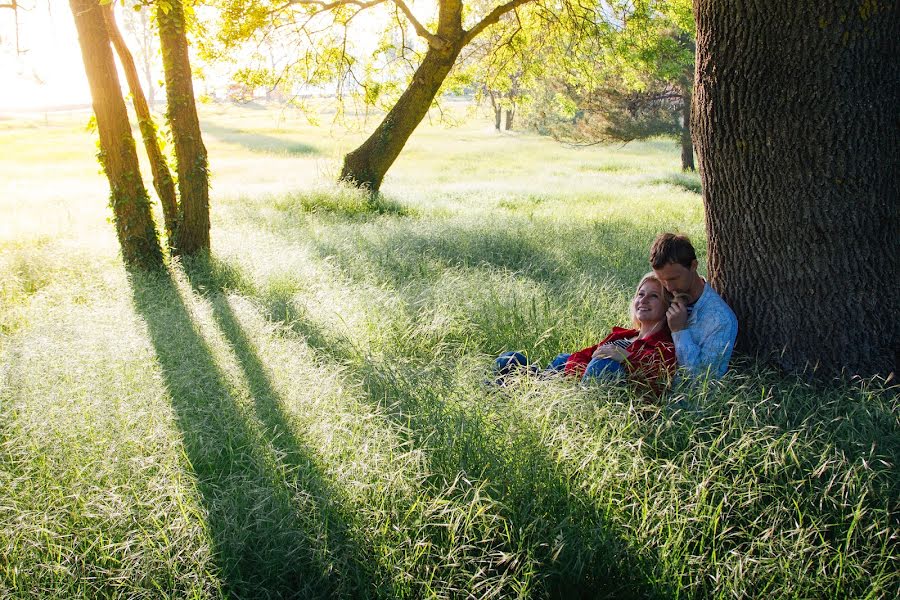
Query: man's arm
710	353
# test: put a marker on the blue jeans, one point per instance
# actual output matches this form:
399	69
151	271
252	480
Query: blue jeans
509	362
558	364
600	368
603	369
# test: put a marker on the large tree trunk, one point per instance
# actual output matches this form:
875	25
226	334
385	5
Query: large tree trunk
510	113
366	166
131	206
192	234
162	177
796	129
687	144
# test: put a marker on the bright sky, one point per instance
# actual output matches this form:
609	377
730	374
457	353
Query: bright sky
48	70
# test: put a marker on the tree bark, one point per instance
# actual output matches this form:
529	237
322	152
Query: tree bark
162	177
498	112
796	128
366	166
192	234
135	228
509	118
687	145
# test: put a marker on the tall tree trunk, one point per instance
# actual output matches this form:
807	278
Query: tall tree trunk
130	203
192	234
687	145
367	165
510	113
162	177
796	129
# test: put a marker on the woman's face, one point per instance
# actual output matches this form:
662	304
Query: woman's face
649	304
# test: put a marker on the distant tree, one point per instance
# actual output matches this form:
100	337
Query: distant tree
137	24
796	128
162	177
129	200
627	76
505	63
192	233
455	26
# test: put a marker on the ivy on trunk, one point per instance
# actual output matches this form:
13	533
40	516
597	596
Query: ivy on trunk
162	177
130	203
192	233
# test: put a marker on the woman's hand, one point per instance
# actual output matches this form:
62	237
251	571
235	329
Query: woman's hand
610	351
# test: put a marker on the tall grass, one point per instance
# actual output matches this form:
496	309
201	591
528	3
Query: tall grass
304	414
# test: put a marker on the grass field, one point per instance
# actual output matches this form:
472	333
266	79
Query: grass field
303	414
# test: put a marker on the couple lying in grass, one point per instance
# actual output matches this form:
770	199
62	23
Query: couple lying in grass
679	321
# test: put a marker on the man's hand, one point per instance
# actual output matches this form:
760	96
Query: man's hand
677	316
610	351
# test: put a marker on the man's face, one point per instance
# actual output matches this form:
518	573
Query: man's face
677	278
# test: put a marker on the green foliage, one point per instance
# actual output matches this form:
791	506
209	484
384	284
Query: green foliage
626	75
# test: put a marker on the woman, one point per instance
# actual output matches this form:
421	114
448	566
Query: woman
645	354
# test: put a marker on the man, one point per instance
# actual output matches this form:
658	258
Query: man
703	326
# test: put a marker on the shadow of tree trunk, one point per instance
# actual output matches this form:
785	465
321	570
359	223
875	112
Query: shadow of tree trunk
277	525
567	538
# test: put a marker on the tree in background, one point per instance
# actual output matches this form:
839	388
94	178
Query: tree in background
137	24
135	228
626	75
796	129
431	47
192	232
505	64
162	177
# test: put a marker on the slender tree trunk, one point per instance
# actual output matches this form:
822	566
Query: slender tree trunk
367	165
192	234
151	89
162	177
687	144
510	113
498	112
146	37
131	206
796	129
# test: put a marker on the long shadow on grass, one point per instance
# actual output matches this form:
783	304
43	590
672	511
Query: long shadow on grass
258	142
277	525
552	524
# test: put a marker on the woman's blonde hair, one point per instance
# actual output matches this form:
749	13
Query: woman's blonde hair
666	296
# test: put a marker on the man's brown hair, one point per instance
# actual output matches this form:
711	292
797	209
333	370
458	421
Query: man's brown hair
671	248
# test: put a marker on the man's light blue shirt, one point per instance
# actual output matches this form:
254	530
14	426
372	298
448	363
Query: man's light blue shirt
705	345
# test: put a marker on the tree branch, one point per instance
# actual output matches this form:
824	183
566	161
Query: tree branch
491	18
438	43
433	40
324	6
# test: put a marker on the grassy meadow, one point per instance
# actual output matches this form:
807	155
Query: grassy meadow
304	414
